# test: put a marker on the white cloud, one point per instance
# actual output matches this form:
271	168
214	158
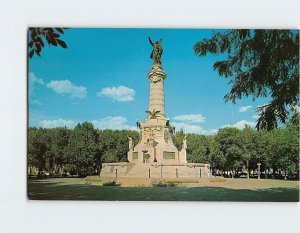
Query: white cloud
212	131
240	124
255	116
191	118
112	122
120	93
245	108
33	81
193	128
67	87
56	123
190	124
189	128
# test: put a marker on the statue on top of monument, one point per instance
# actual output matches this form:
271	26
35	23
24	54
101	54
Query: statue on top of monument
156	51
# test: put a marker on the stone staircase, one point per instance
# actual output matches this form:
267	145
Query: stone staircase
148	170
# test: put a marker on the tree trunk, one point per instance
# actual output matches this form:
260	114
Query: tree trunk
60	170
285	174
248	175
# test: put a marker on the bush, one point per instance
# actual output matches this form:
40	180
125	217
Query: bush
163	184
111	183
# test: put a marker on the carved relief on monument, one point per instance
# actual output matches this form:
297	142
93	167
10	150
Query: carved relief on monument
150	133
155	79
153	114
166	136
168	155
135	155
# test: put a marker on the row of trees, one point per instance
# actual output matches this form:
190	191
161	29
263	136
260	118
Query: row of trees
79	151
231	151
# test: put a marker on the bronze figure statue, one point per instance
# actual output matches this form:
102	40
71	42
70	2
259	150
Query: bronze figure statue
156	51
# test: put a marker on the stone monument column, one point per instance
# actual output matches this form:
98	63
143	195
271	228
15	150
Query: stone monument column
157	93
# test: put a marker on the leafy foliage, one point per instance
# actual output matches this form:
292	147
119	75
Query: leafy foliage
178	139
114	144
38	147
38	36
199	148
58	142
83	149
259	63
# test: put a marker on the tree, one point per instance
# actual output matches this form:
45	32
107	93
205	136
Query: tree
38	36
114	144
217	159
264	151
286	151
260	63
59	138
229	143
248	139
37	148
198	148
178	139
82	150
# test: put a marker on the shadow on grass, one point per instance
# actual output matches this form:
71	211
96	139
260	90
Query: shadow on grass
57	190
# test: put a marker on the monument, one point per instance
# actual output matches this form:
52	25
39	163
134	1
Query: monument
155	149
156	133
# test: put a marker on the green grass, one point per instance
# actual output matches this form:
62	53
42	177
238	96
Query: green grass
74	189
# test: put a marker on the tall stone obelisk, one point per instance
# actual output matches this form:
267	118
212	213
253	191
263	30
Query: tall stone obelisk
156	134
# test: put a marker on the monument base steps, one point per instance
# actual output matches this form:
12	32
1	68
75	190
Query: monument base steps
154	170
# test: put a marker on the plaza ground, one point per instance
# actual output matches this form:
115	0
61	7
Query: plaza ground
135	189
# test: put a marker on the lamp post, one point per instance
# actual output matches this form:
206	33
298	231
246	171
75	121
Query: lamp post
258	164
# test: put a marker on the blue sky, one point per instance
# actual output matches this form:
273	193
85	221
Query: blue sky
102	77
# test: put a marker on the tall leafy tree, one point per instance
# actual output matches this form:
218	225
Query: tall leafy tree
199	147
248	139
178	139
229	142
259	63
217	159
37	148
286	150
59	138
82	149
264	151
114	144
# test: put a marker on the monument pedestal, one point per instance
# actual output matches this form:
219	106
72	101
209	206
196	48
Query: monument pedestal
155	145
155	170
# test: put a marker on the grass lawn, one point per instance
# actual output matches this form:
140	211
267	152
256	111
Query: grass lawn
76	189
